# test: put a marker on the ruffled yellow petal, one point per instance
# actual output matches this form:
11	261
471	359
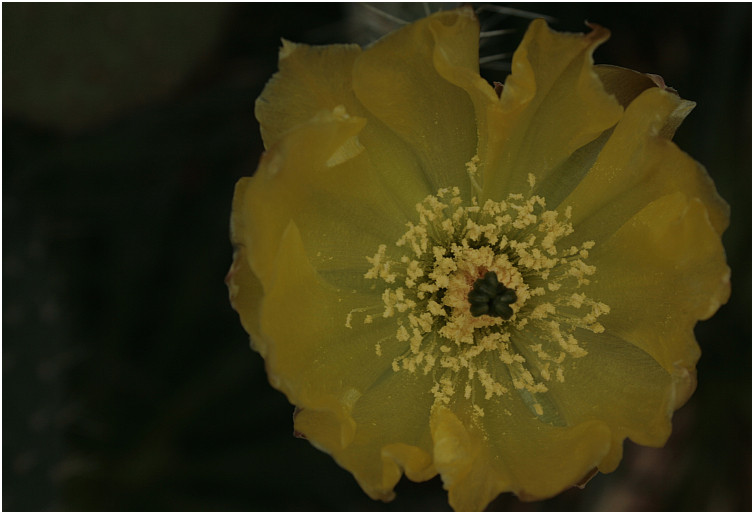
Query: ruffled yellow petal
244	288
378	451
319	177
316	79
620	385
318	362
398	81
455	58
310	80
305	319
554	108
664	270
464	463
637	165
511	450
626	85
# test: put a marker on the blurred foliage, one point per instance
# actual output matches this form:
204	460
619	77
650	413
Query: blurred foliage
70	66
128	381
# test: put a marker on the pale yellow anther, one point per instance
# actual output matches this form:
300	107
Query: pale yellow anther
416	341
542	310
471	167
435	308
577	300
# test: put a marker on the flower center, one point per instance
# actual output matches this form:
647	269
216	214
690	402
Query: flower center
484	299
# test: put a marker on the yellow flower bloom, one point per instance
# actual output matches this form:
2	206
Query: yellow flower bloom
496	289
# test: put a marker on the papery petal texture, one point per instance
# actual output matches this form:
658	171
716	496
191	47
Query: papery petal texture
496	289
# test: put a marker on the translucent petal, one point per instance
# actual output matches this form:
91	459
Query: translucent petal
318	176
637	165
397	80
316	78
245	292
455	58
626	85
244	289
464	462
621	385
553	104
391	433
313	356
511	450
660	273
310	80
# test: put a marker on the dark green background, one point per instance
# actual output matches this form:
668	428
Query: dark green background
128	383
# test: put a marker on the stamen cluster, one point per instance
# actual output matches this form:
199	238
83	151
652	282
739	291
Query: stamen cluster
483	298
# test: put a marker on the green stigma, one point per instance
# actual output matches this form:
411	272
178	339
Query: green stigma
490	297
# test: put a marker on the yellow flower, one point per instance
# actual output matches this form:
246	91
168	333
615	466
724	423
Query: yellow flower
496	289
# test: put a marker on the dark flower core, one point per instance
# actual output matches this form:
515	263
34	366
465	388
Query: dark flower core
489	296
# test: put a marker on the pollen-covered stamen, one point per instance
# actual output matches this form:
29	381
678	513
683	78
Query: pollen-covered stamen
488	296
485	299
